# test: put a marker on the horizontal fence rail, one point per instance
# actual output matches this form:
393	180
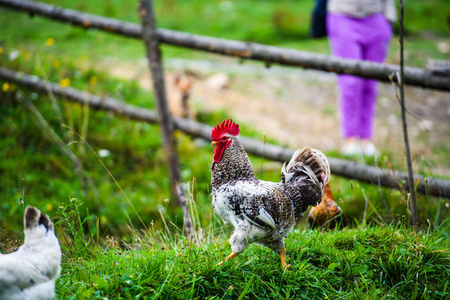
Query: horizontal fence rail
268	54
348	169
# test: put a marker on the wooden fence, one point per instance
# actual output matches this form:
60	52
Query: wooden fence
268	54
412	76
348	169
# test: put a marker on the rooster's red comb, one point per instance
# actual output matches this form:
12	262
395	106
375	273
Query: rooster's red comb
227	126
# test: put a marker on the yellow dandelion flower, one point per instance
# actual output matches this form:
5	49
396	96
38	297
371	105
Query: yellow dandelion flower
48	207
50	41
56	63
5	87
93	80
64	82
84	58
26	55
103	219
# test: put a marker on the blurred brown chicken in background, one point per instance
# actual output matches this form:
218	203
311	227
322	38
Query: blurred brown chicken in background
326	215
178	97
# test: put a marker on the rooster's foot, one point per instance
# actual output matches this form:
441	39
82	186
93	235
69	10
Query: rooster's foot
284	265
227	258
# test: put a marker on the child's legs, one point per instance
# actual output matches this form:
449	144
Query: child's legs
378	33
350	104
343	35
368	107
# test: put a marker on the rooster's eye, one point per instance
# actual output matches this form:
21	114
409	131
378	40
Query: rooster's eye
224	139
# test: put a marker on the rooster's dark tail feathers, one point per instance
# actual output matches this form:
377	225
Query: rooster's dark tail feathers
310	161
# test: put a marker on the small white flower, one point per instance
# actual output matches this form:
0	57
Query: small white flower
13	55
104	153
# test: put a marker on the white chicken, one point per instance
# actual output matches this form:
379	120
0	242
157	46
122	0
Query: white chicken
31	271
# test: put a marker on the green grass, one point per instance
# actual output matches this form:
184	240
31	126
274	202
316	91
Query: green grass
370	262
365	262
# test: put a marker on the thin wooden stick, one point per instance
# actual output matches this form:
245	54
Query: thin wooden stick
413	202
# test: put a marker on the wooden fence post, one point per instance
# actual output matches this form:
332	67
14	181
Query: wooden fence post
154	59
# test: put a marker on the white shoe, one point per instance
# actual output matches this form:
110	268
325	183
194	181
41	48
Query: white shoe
370	150
352	149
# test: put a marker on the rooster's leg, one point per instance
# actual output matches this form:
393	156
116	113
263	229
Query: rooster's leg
227	258
284	265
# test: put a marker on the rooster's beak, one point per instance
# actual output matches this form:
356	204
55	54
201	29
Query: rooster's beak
214	143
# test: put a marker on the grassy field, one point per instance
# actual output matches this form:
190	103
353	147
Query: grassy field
109	252
365	262
368	263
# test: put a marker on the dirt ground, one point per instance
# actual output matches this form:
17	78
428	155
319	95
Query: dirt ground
300	108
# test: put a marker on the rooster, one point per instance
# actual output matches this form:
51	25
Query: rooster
31	271
262	212
327	214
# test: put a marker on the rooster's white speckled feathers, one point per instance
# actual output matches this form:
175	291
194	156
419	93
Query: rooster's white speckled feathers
260	211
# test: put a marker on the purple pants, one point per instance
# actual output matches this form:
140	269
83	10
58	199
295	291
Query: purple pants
362	39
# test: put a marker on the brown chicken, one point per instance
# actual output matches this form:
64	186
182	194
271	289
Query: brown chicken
262	212
326	215
178	97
